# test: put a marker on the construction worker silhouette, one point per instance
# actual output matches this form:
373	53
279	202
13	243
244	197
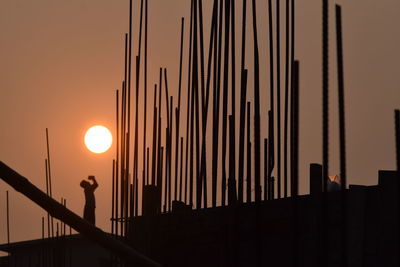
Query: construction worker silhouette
90	204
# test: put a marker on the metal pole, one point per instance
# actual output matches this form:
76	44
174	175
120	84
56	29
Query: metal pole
342	132
49	173
325	128
8	218
243	92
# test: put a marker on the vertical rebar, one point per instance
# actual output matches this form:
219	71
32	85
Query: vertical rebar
180	172
188	121
232	195
49	177
271	132
177	134
225	99
117	162
232	149
112	197
145	168
216	104
397	136
265	168
8	218
325	127
154	152
295	160
243	92
342	132
278	96
270	154
42	228
256	109
249	165
286	107
47	193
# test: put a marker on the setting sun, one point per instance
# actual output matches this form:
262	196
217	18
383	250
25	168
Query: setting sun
98	139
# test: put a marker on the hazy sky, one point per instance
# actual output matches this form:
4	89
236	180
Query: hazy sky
61	61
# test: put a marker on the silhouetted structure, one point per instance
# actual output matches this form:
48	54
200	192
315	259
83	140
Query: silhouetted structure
59	211
255	219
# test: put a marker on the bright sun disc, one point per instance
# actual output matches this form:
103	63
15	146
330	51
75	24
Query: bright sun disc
98	139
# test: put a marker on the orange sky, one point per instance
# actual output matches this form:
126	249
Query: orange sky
60	62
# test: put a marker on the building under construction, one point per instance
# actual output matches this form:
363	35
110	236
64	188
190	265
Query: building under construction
207	189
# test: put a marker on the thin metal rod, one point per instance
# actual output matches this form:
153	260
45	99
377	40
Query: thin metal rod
342	132
154	153
271	132
147	167
325	94
170	153
127	192
112	197
202	83
177	134
342	129
42	228
145	170
123	136
165	177
211	51
286	107
232	195
216	102
270	154
397	134
295	160
128	109
325	129
256	109
117	163
136	145
180	172
159	129
8	218
265	168
225	100
161	174
195	88
49	173
243	92
232	147
188	113
249	165
167	98
295	131
47	193
137	197
64	225
278	96
176	153
159	164
191	133
397	137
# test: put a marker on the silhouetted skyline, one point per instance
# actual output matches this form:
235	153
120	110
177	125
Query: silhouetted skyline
61	64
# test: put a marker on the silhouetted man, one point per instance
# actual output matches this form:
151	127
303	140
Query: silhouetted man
90	204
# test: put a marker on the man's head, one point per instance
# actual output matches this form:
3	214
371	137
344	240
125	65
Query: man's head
84	184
